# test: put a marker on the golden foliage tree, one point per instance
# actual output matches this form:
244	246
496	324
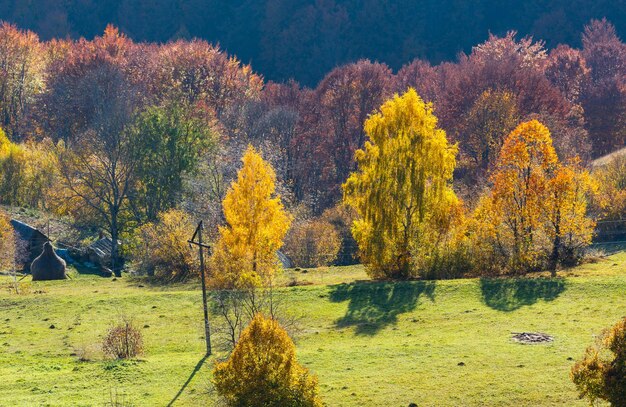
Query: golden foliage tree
536	207
256	224
402	189
263	370
7	243
519	184
601	374
162	247
611	197
27	172
568	226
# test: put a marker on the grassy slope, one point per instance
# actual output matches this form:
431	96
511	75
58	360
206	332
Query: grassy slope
370	343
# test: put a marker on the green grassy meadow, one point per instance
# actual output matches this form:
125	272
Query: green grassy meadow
433	343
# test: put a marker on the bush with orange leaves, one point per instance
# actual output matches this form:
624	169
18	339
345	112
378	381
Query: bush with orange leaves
263	370
601	374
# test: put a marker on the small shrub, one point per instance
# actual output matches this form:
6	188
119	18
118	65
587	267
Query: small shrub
594	255
117	399
19	287
263	370
313	243
162	249
601	374
450	261
123	341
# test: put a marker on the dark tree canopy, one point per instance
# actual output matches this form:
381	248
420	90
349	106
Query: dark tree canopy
304	39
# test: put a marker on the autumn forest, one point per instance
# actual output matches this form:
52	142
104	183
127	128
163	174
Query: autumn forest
501	160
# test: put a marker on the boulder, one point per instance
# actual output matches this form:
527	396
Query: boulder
48	266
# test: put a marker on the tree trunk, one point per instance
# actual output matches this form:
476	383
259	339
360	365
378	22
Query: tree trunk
115	266
556	245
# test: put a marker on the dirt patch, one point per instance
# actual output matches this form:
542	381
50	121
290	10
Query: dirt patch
532	337
295	283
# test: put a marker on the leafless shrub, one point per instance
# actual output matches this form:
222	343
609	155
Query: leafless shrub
236	309
594	255
117	399
18	287
123	341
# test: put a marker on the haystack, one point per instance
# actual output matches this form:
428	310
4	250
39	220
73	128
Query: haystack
48	266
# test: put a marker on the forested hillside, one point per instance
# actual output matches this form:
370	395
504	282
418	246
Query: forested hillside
304	39
115	133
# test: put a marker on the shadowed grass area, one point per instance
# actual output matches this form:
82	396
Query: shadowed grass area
372	306
509	294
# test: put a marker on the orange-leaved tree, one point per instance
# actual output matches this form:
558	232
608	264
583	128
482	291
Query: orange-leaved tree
568	227
402	189
263	370
537	207
520	182
256	224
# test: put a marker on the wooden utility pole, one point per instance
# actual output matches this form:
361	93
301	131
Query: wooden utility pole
201	246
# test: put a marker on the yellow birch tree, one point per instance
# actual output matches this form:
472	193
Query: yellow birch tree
402	188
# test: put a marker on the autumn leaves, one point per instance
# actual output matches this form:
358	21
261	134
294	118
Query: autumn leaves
535	213
402	191
256	224
410	220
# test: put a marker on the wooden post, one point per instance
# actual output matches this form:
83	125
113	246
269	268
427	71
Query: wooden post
201	247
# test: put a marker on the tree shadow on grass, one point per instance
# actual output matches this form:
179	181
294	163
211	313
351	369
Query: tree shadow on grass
375	305
509	294
196	369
